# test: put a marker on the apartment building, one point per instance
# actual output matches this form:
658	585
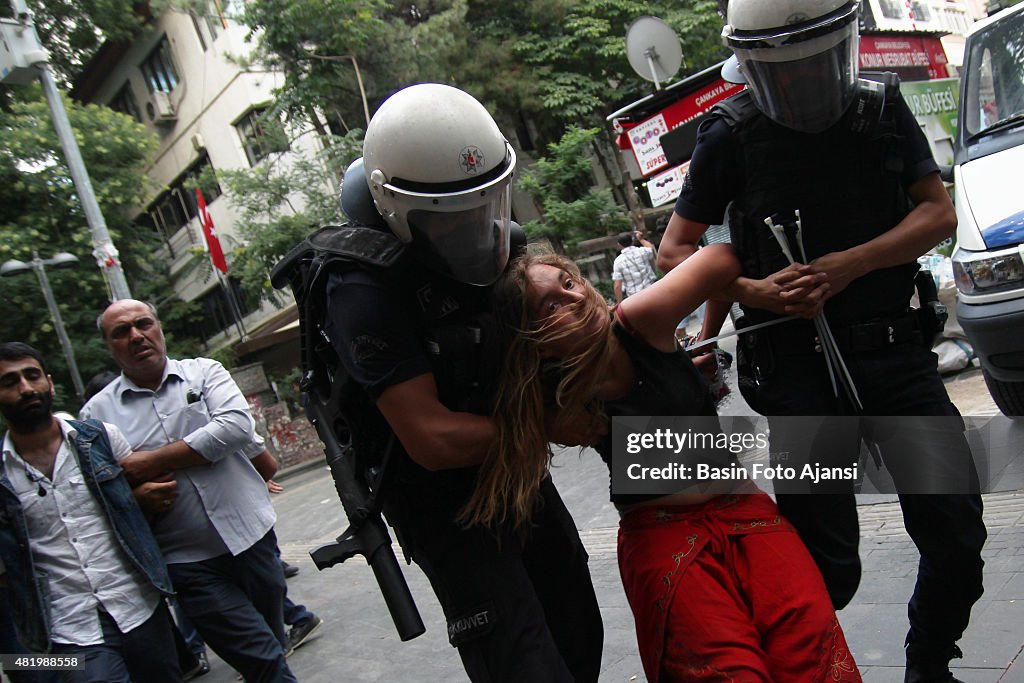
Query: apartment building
180	78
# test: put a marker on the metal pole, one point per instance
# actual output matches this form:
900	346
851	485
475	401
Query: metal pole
236	311
58	323
651	56
103	248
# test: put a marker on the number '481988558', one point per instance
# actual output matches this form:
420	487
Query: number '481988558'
40	662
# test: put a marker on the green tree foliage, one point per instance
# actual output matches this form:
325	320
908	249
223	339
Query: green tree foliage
40	212
72	30
281	200
554	67
318	45
580	63
563	63
571	208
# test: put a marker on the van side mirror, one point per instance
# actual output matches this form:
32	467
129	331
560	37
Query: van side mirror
946	173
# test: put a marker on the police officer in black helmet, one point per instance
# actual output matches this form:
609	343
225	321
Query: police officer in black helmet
414	337
808	135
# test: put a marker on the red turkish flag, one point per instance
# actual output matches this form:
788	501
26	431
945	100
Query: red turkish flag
212	241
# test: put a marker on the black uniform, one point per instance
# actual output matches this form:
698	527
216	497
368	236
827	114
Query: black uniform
849	187
518	609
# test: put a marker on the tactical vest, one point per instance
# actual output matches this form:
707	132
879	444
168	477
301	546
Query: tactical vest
457	330
846	185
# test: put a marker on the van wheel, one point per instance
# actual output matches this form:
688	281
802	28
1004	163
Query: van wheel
1009	396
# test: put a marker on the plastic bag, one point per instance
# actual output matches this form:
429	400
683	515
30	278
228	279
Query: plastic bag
954	355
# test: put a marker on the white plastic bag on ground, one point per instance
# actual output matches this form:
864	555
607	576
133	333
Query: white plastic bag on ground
954	355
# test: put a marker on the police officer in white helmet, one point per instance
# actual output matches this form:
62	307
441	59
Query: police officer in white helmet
809	136
412	332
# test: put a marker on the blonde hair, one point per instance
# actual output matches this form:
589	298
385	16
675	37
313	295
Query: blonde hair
509	478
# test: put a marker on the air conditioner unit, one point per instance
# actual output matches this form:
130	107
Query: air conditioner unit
160	109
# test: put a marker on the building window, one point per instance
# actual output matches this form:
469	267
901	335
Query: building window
174	208
893	9
158	68
215	21
217	315
261	135
199	31
207	24
919	11
124	101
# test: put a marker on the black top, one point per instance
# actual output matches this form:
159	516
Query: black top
665	384
384	325
374	330
716	175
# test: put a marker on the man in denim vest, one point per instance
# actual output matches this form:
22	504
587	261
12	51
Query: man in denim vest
84	571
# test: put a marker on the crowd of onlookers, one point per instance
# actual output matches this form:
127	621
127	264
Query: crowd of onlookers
143	533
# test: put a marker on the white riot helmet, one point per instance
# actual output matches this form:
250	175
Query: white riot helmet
440	173
799	57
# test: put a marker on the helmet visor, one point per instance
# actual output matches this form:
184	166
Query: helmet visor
807	94
470	245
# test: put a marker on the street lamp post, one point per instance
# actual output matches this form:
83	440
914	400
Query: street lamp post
60	260
23	58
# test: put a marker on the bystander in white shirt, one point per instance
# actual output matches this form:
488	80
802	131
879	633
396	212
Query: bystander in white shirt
72	540
222	507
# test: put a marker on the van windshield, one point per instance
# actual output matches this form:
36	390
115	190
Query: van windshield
994	70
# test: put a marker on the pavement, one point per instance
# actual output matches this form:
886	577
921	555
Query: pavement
358	642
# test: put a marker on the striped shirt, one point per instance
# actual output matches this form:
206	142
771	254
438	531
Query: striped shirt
634	266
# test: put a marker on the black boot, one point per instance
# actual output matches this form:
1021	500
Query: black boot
929	664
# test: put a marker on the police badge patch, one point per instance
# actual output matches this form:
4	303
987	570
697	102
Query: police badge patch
687	182
472	160
475	624
366	347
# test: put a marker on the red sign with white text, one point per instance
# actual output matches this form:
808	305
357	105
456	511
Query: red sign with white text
912	57
644	138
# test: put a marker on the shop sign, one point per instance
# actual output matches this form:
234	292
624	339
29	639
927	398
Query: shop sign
645	137
666	186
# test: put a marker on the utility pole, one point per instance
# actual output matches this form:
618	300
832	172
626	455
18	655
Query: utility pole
61	259
22	58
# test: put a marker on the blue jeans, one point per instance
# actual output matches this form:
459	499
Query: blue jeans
235	602
189	634
146	653
9	644
293	613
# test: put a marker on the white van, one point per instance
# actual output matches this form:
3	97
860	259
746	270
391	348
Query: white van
988	172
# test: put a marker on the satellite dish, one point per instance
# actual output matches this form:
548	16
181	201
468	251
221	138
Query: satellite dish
732	72
653	50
